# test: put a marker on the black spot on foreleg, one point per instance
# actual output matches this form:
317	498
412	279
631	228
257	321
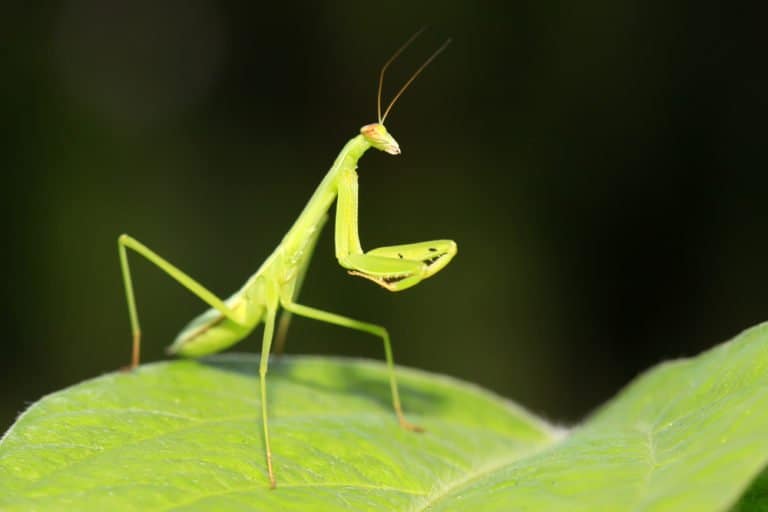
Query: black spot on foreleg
393	279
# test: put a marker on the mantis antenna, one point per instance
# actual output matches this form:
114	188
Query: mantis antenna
410	80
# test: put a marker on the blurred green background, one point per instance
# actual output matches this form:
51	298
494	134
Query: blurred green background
601	165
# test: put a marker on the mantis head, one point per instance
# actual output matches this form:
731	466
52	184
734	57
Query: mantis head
378	136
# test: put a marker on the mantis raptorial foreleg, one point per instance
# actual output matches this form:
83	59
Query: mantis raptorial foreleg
395	267
399	267
376	330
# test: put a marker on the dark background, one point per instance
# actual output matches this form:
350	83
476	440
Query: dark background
601	165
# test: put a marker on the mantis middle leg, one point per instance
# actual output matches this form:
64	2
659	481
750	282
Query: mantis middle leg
376	330
266	343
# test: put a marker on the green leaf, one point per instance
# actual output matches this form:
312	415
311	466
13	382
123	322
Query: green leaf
186	435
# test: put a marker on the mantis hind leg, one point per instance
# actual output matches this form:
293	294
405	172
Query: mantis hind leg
376	330
125	241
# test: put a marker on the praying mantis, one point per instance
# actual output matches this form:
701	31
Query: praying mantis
276	284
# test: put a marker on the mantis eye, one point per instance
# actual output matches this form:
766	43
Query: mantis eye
378	137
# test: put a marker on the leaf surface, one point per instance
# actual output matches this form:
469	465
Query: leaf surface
186	435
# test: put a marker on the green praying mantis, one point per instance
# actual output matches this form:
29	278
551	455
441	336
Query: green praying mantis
277	282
